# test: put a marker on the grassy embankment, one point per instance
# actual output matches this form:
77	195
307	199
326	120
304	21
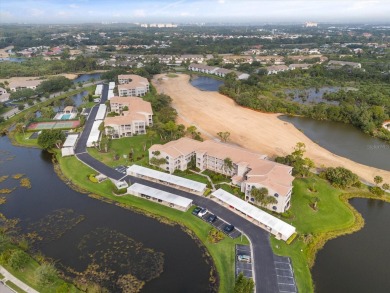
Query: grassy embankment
333	217
222	252
28	276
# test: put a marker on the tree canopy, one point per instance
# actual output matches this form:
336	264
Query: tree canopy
50	138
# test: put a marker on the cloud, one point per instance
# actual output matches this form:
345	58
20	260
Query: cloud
5	14
221	1
74	6
36	12
139	13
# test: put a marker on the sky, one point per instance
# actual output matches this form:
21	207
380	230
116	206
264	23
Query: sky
194	11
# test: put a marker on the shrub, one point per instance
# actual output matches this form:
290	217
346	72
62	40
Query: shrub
92	178
45	274
215	236
120	191
18	259
377	190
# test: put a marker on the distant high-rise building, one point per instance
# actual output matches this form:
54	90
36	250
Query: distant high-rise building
311	24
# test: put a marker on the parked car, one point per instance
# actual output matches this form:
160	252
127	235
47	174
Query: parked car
196	211
211	218
202	212
228	228
244	258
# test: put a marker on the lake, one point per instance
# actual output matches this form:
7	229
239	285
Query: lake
87	77
78	231
358	262
345	140
205	83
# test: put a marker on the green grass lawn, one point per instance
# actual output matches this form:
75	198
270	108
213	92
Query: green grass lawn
222	252
23	139
14	287
1	277
123	147
331	214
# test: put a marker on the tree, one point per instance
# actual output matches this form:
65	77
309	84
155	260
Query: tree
386	186
69	102
340	177
224	136
301	165
151	134
157	161
19	127
50	138
243	285
259	194
378	179
227	165
18	259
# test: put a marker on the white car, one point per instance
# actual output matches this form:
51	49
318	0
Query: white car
202	212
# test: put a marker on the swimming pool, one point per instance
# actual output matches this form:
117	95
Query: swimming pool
65	117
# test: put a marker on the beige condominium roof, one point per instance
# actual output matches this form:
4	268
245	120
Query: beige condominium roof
134	104
135	80
261	171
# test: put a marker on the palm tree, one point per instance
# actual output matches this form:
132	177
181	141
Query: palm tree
260	194
227	165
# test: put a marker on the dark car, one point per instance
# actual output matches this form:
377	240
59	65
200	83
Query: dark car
196	211
228	228
211	218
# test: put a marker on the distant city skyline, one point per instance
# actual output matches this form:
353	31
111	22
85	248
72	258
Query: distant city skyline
192	11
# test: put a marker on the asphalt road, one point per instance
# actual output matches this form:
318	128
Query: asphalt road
263	258
5	289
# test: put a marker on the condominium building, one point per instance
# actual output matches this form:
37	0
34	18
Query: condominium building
135	115
24	84
247	169
132	85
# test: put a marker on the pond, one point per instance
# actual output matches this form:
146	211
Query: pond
358	262
78	231
205	83
313	95
345	140
87	77
11	59
77	99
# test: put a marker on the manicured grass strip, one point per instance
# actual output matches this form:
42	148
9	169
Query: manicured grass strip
122	147
222	253
333	217
14	287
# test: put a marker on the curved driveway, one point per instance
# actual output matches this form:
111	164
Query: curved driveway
263	258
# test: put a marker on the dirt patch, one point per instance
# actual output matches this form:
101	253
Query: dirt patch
212	112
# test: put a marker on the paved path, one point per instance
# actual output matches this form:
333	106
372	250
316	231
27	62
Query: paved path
264	267
17	282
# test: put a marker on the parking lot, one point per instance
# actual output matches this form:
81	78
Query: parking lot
121	169
220	224
243	267
285	274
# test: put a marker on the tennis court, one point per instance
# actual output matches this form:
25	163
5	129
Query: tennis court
54	125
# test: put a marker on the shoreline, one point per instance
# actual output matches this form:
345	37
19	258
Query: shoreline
213	112
214	286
